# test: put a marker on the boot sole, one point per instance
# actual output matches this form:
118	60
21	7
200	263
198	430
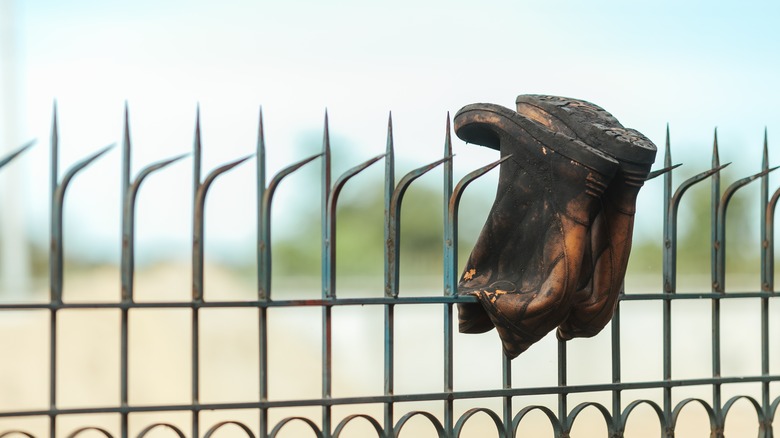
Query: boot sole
591	124
484	123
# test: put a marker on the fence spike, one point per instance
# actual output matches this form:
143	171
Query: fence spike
715	150
126	157
450	245
81	165
765	155
326	169
659	172
55	150
667	255
764	198
197	152
260	153
715	206
326	164
389	187
667	149
16	153
260	194
389	165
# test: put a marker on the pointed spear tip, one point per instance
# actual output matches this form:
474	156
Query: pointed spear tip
389	147
326	134
765	153
667	138
260	136
715	141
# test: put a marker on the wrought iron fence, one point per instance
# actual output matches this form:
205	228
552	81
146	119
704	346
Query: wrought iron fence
503	422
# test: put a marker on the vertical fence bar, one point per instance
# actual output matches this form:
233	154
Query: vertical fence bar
450	260
199	205
391	236
56	256
764	198
769	269
506	383
197	274
765	275
450	245
263	228
769	242
669	272
55	269
126	274
616	377
716	286
563	408
327	280
448	320
389	354
714	204
263	268
264	258
127	265
325	194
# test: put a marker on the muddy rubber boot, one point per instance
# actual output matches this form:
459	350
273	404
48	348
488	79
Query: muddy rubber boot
611	232
525	266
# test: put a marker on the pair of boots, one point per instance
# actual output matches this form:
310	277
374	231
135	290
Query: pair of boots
554	249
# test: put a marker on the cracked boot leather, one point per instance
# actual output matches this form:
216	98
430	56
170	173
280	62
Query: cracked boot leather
525	265
602	276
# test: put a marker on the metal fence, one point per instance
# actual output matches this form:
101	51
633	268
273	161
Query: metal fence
501	422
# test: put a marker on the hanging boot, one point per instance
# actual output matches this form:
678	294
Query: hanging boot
525	265
601	281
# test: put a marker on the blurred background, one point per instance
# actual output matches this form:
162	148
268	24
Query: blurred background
691	66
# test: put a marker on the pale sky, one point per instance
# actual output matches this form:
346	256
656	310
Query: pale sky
694	65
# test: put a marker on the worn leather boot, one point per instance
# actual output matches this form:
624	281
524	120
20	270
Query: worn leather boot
526	263
602	276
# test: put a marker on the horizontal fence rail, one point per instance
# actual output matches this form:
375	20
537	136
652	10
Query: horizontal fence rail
394	418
